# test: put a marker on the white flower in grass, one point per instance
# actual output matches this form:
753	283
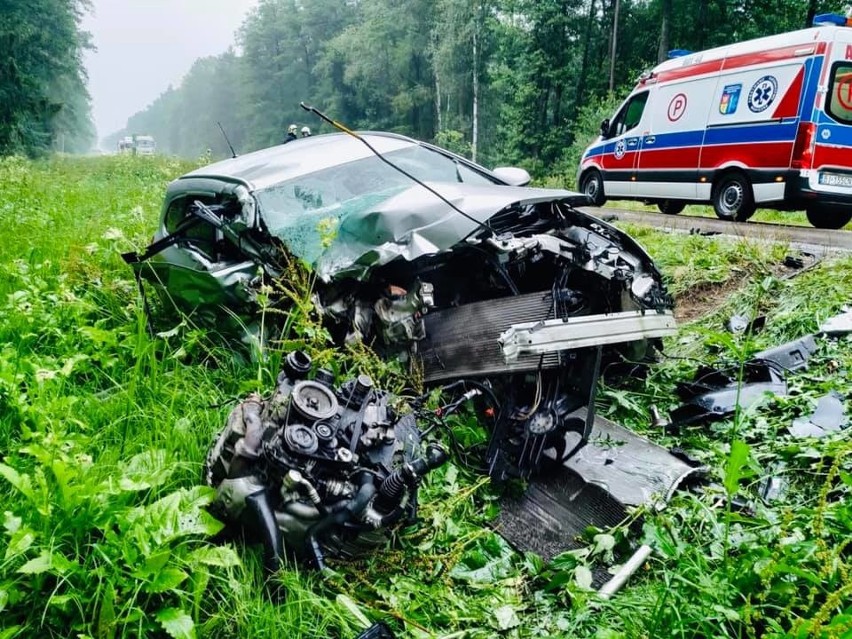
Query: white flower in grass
113	233
43	374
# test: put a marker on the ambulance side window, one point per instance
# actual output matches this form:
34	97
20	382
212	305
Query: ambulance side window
839	99
630	115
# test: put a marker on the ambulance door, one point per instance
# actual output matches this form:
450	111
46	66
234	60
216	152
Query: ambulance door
671	142
832	155
622	147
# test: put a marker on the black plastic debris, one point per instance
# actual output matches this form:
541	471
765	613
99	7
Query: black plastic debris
837	325
791	261
703	233
791	356
713	394
829	417
378	630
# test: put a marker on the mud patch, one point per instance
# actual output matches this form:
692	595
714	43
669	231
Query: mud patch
705	298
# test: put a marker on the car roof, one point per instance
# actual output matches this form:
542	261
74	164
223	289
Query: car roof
267	167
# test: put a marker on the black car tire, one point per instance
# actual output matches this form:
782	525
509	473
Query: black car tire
671	207
827	217
591	184
733	197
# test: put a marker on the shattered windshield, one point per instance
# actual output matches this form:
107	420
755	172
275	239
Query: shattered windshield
307	212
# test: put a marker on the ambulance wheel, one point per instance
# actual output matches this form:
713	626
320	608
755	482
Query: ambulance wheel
733	198
826	217
592	185
671	207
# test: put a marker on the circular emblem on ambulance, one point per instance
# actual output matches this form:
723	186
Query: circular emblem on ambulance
619	150
762	93
677	107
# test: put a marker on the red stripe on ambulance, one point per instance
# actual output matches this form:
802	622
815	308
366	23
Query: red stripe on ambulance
825	155
739	61
788	107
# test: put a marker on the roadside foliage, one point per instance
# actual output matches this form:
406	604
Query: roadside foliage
104	429
508	82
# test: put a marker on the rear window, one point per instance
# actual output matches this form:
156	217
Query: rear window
839	104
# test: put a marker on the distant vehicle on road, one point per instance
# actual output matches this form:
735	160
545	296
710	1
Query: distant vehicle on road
766	123
125	144
137	145
145	145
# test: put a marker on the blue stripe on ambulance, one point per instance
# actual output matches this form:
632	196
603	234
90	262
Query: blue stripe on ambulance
838	134
813	69
784	131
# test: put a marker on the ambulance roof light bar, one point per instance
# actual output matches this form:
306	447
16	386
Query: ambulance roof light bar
678	53
836	19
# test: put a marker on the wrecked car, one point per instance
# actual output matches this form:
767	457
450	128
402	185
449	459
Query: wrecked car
486	287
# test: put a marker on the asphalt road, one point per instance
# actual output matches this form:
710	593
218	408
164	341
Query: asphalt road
802	237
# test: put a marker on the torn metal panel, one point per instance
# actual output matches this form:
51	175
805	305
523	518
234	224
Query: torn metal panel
829	417
617	469
571	333
631	468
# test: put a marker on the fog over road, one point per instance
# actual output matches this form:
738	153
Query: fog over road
143	46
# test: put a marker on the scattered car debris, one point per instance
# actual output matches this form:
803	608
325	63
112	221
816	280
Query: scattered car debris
378	630
774	486
614	472
432	260
828	417
794	262
791	356
744	324
703	233
714	394
838	325
317	469
628	568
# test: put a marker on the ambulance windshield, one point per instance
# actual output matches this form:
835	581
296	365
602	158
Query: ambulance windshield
839	101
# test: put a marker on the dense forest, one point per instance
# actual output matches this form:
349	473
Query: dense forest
44	103
504	81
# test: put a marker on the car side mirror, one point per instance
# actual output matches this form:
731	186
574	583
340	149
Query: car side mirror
512	175
605	128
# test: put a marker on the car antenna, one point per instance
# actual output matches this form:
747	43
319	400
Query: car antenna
225	135
347	131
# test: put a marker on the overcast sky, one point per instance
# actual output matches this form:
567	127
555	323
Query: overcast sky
143	46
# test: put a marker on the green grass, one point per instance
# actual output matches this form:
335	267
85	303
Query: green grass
103	431
796	218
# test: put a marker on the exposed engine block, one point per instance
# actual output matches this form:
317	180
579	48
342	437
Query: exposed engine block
317	470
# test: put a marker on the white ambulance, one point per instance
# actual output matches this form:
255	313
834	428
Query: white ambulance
765	123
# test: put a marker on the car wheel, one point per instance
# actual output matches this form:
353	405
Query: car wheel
825	217
671	207
733	198
592	185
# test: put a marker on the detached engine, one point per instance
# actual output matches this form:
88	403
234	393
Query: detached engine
315	469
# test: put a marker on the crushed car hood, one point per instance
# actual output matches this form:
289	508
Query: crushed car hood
349	240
